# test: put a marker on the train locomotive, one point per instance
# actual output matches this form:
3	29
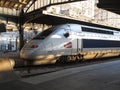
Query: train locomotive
71	42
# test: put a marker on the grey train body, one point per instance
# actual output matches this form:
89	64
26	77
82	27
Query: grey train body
71	42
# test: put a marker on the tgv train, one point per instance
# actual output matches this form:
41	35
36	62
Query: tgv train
71	42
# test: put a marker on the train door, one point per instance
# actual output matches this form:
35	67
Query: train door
79	45
76	46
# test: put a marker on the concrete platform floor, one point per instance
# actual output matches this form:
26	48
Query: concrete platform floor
103	76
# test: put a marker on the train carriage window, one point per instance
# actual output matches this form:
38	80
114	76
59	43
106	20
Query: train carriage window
96	30
44	34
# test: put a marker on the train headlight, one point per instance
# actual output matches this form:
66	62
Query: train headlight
34	46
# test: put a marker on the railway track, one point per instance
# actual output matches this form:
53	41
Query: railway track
29	71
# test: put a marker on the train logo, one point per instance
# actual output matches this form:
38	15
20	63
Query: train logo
68	45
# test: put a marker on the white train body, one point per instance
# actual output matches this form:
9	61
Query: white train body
71	42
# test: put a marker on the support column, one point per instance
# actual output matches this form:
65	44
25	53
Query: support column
21	31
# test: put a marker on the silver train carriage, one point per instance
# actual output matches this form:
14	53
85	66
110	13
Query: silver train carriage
71	42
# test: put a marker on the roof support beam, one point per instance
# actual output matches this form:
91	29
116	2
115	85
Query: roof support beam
14	1
110	5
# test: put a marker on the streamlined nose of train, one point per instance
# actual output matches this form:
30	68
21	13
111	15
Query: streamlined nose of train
23	54
29	50
26	54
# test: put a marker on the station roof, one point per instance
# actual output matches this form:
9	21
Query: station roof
50	19
18	4
110	5
14	4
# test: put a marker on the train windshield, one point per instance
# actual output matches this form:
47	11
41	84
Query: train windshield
44	34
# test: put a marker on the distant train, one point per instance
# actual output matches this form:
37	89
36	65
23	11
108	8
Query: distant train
71	42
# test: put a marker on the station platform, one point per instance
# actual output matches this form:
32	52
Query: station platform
102	76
